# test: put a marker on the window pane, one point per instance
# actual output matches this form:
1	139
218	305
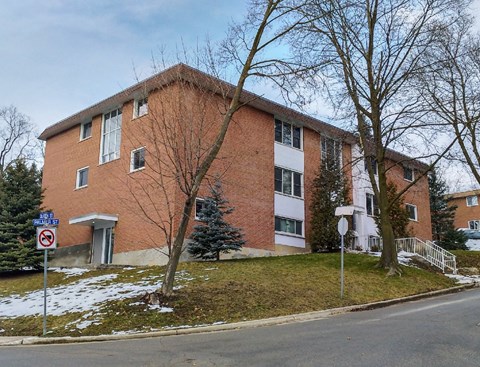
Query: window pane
278	224
297	184
369	204
198	207
86	130
287	182
408	173
287	134
278	179
298	229
278	131
296	137
412	212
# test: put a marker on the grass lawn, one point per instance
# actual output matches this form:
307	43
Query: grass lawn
467	259
210	292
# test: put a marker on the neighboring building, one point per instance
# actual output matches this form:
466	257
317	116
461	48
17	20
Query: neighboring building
467	214
97	159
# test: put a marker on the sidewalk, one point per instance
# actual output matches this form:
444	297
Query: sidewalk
310	316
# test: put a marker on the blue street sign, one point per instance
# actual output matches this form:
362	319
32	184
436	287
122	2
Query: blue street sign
46	215
46	222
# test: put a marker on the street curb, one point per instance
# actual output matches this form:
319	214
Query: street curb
308	316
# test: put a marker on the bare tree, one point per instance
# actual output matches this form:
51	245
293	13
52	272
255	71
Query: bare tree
450	90
183	153
364	53
16	136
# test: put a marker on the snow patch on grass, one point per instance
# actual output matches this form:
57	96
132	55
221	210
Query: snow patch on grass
464	279
80	296
70	272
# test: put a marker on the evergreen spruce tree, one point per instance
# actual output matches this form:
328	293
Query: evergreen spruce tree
20	200
443	215
330	190
215	235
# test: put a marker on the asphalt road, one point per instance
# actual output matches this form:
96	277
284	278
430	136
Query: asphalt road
441	331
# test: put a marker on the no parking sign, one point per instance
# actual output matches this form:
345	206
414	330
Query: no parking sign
46	238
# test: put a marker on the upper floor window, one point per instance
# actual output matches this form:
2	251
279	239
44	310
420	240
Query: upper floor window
85	130
111	135
288	225
199	205
472	200
474	224
373	163
137	159
371	205
82	178
412	211
288	182
331	151
140	107
408	174
288	134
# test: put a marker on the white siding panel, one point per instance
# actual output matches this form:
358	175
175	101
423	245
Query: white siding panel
288	157
289	207
289	241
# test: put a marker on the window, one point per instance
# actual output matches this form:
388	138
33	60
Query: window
288	134
373	163
408	174
85	130
111	135
140	107
371	205
472	200
412	211
199	204
288	182
82	177
137	160
291	226
474	224
331	151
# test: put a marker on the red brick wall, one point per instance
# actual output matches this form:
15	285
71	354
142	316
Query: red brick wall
417	195
464	213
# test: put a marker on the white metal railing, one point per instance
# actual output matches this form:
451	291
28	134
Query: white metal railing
427	250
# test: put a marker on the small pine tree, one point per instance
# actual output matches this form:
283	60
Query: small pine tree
398	213
330	190
20	200
443	215
214	235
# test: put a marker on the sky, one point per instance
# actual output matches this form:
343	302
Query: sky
58	57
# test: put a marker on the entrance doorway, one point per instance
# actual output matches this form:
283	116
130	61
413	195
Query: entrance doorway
103	241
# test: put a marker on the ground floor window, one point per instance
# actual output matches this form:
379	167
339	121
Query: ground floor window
412	211
287	225
474	224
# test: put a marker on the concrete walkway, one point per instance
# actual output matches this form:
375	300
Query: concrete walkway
309	316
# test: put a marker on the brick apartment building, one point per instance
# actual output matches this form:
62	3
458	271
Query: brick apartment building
101	166
467	214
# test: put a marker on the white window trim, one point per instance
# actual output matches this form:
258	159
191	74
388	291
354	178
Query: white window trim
102	137
469	196
77	180
288	233
132	153
373	215
413	174
291	129
416	212
301	197
135	107
475	221
340	142
82	127
196	214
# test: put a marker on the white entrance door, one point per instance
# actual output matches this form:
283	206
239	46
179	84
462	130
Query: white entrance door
103	240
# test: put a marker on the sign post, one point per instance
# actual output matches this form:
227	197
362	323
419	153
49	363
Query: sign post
46	240
342	229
